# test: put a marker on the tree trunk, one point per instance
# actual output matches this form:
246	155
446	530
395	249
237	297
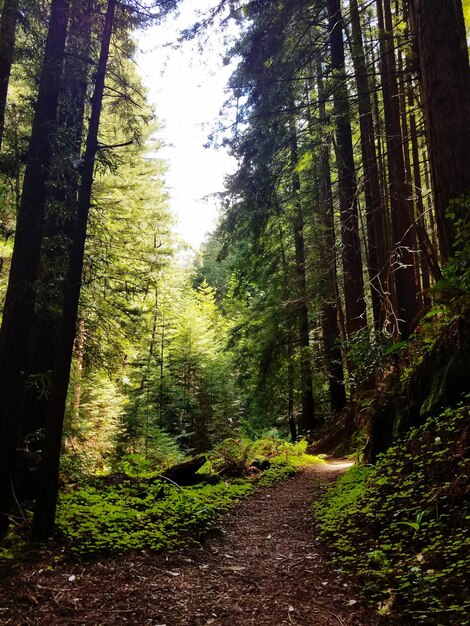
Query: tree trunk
404	241
329	313
60	216
44	514
308	420
20	298
418	196
375	212
356	317
444	76
8	22
80	353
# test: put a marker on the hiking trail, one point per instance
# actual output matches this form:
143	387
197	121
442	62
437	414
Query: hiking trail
263	566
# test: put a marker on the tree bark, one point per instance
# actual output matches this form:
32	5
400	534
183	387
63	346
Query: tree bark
44	514
443	70
60	215
8	22
329	313
404	240
356	317
375	211
20	298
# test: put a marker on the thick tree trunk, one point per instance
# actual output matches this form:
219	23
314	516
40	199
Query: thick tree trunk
60	215
443	69
356	317
8	22
18	313
404	240
44	514
375	212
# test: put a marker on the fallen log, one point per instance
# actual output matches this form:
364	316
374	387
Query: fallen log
184	474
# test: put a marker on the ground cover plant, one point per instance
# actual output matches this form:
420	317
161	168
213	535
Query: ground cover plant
139	509
403	527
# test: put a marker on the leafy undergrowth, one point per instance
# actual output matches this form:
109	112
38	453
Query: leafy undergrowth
402	528
134	516
144	512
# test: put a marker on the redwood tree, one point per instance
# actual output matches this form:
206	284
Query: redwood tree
443	69
20	298
356	318
48	486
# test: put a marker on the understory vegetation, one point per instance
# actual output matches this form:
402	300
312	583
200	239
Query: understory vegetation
402	528
138	509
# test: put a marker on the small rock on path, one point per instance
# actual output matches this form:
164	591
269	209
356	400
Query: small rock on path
263	567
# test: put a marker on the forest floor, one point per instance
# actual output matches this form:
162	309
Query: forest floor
263	566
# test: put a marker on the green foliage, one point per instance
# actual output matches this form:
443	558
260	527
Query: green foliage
402	527
233	456
142	515
143	512
135	509
277	472
454	288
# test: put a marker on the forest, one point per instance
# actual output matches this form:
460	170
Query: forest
312	354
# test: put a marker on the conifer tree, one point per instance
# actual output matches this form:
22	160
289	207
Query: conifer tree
18	312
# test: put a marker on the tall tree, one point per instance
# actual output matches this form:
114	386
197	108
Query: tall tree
46	501
329	280
356	317
60	214
402	217
375	211
438	31
18	312
309	420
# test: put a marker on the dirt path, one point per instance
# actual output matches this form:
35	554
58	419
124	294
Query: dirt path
264	567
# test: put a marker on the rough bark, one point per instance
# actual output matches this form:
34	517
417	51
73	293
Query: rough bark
44	514
356	317
60	216
375	211
404	240
20	298
444	76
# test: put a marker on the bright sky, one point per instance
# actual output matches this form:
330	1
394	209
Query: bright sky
187	88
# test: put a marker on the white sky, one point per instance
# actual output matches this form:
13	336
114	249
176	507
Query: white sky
187	89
